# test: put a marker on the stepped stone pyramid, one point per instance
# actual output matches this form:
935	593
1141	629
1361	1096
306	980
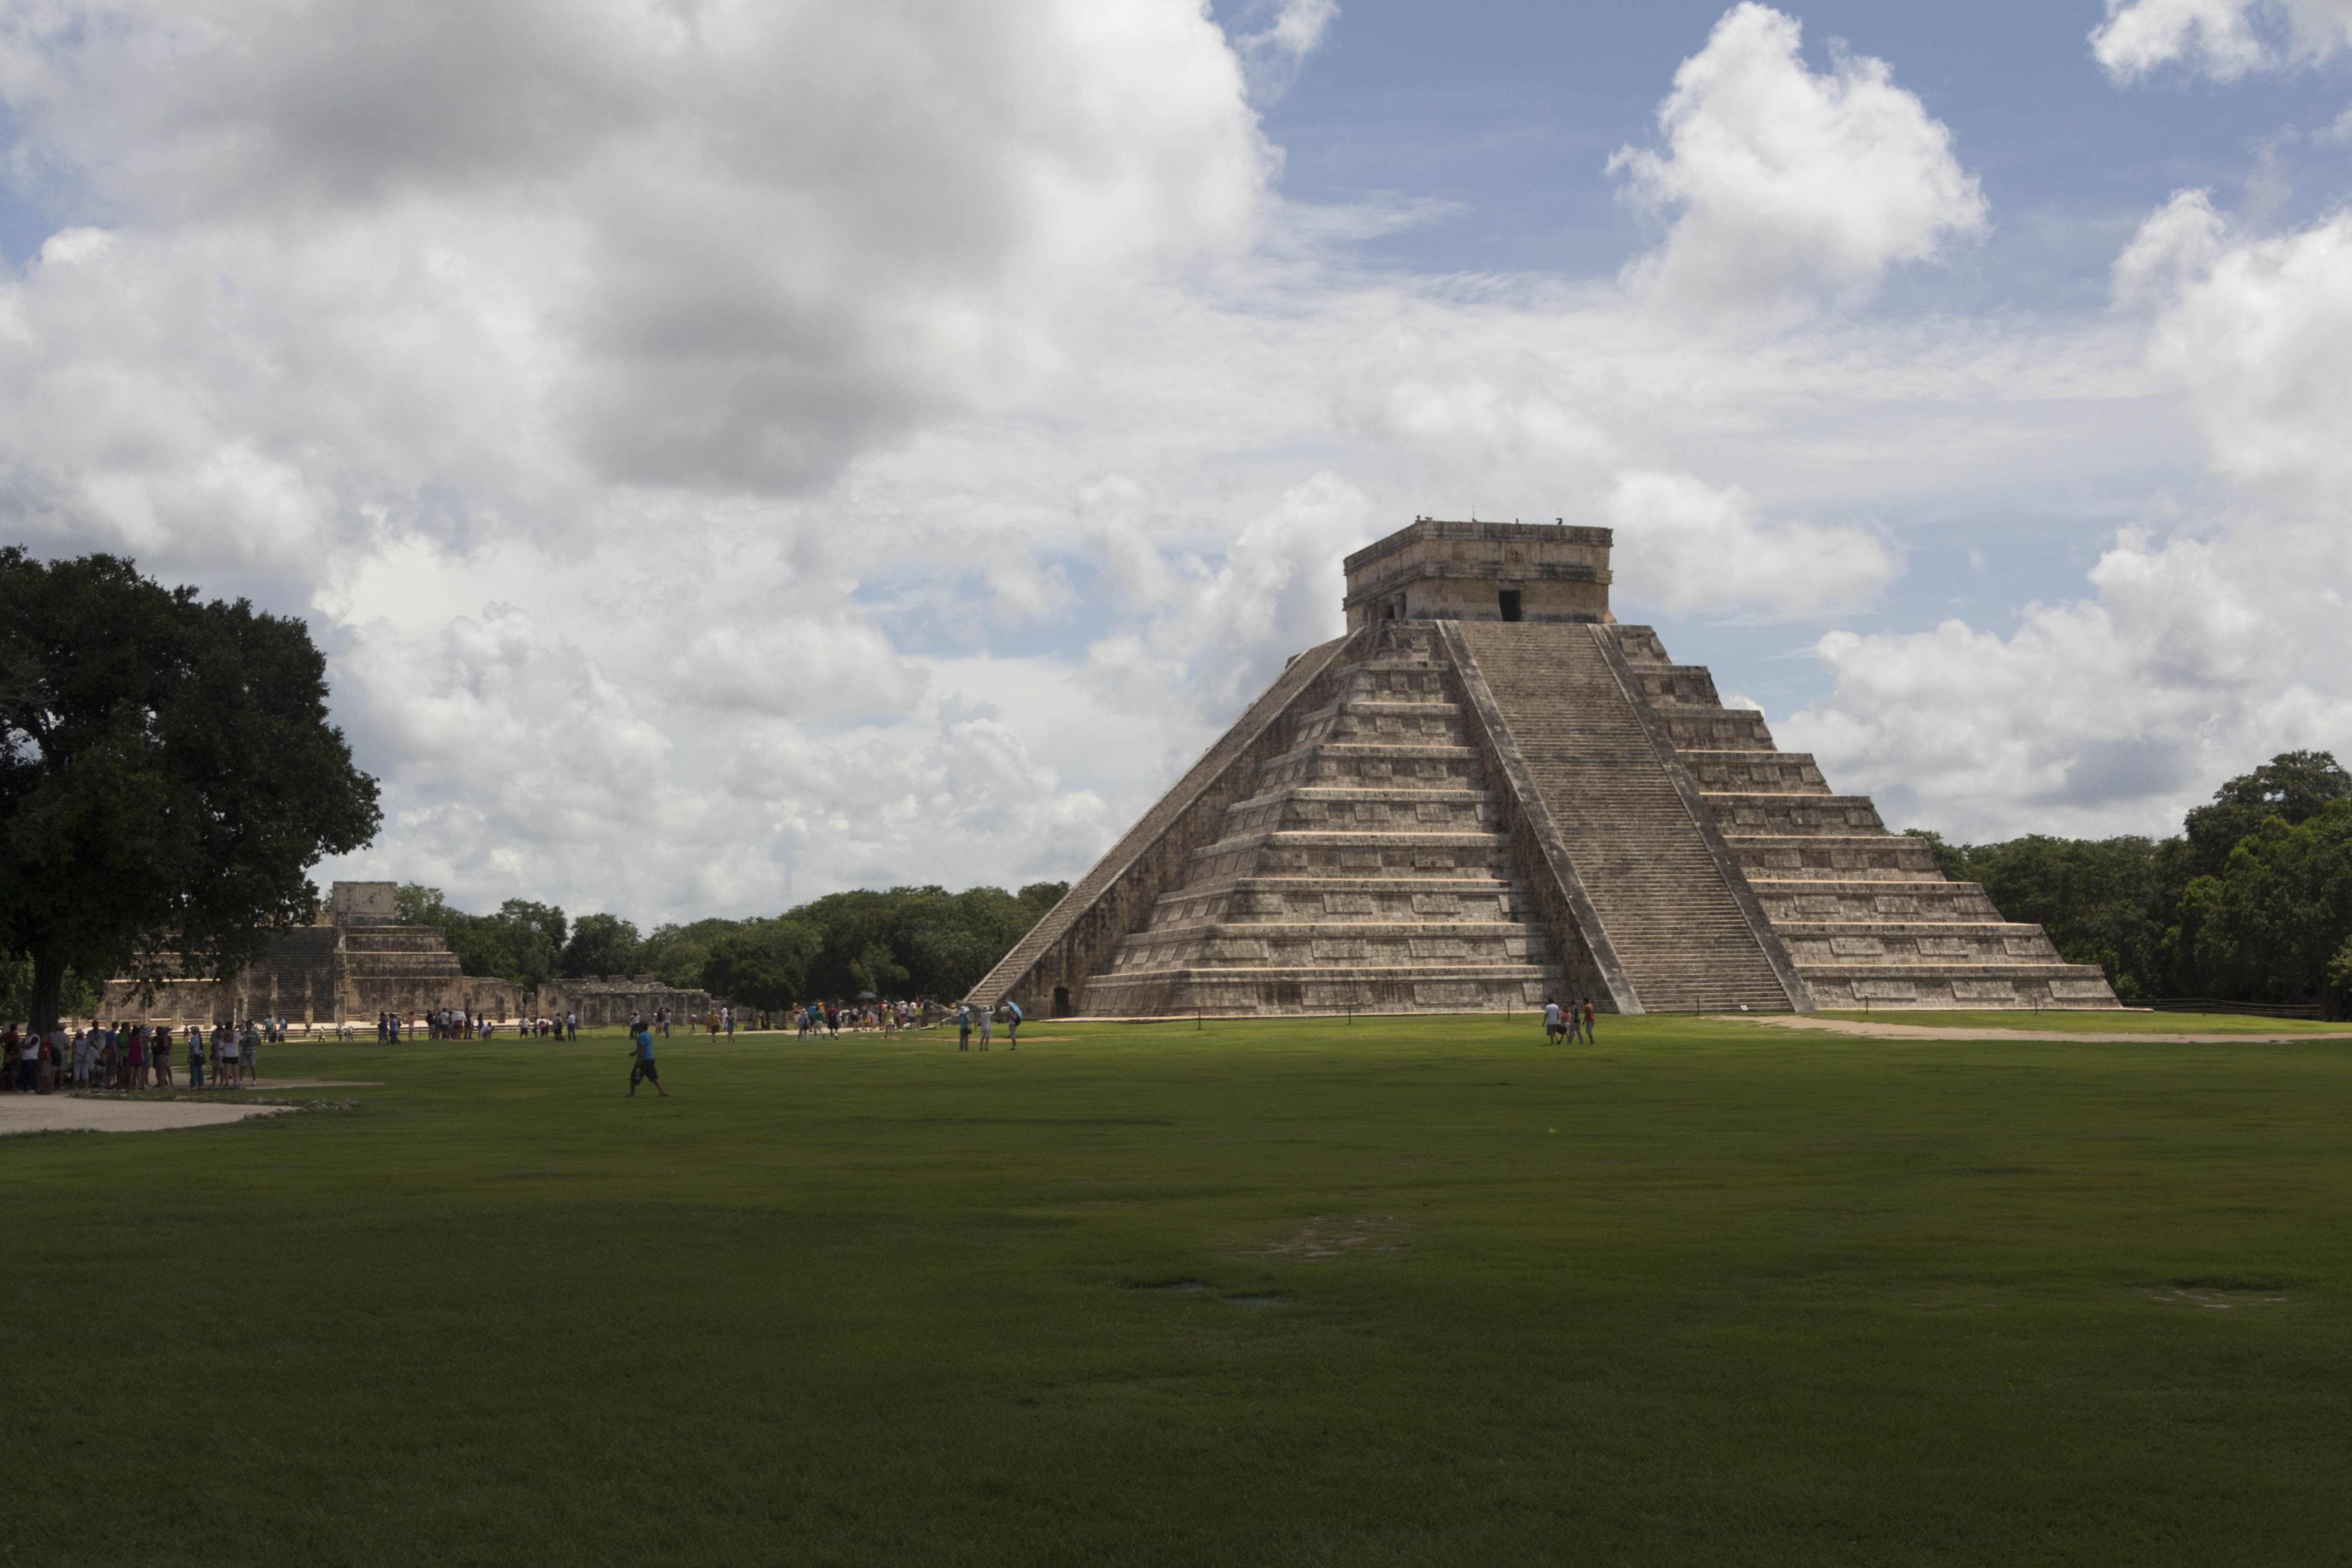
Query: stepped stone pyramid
355	962
1488	793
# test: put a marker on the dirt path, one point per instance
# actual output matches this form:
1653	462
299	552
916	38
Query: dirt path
1918	1032
64	1113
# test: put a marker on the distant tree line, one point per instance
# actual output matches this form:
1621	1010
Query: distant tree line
904	942
2251	901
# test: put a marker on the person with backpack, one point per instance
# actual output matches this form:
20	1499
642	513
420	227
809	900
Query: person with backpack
641	1065
1012	1029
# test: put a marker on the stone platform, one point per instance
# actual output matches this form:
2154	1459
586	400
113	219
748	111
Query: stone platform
355	963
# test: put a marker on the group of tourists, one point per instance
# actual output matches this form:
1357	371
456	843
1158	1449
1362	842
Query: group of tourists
133	1056
459	1024
866	1015
1574	1022
969	1017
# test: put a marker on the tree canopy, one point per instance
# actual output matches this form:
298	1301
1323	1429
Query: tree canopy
2291	788
2253	902
169	775
904	942
523	941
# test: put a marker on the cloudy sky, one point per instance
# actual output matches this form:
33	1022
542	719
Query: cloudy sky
736	451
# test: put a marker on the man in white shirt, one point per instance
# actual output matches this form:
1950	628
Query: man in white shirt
1553	1029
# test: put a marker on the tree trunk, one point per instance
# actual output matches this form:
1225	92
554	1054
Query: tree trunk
48	991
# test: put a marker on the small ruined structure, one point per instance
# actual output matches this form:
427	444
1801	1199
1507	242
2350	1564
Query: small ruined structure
357	961
1488	793
617	998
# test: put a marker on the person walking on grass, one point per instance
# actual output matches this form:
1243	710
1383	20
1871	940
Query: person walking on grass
1589	1037
963	1027
642	1068
1553	1030
1013	1028
248	1058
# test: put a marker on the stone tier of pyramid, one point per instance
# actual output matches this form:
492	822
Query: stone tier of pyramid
354	963
1456	810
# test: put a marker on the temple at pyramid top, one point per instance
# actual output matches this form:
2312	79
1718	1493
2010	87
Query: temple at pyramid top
1434	571
1488	793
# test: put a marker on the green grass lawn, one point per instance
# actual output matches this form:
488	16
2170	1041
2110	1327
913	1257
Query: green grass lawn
1706	1293
2095	1021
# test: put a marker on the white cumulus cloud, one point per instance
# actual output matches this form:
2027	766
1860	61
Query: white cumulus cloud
2259	329
1784	183
1687	547
2224	39
736	451
725	247
2197	654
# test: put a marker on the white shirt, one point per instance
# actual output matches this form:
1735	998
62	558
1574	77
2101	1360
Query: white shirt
1551	1015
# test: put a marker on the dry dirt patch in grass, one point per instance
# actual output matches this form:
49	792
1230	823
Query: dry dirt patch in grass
65	1113
2221	1293
1323	1236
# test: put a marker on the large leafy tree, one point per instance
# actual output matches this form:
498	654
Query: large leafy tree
600	944
763	962
2274	921
169	775
675	954
523	941
2294	786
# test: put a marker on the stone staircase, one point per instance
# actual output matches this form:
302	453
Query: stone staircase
320	974
1864	914
1050	970
1671	907
1364	867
